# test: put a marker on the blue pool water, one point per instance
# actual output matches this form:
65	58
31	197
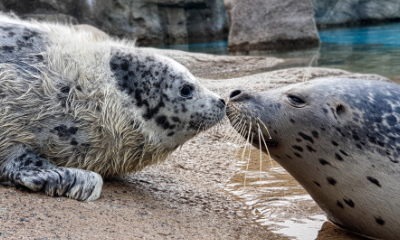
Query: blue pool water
367	49
387	35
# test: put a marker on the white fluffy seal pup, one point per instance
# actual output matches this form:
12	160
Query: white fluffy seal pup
75	108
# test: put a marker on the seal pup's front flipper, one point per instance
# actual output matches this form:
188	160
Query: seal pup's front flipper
26	168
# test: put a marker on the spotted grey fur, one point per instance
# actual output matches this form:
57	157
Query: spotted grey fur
340	139
75	108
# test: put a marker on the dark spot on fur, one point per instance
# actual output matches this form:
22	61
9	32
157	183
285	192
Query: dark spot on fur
79	88
391	120
393	161
114	66
372	139
344	153
288	156
315	134
125	65
85	145
298	148
163	122
297	155
27	162
170	134
324	162
339	204
175	119
184	109
349	202
39	57
316	183
356	137
379	221
64	132
381	144
338	157
152	111
310	149
21	158
72	130
339	109
39	163
374	181
65	89
335	143
298	140
331	181
8	49
325	111
306	137
292	120
138	97
74	142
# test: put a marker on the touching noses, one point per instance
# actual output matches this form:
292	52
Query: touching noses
221	103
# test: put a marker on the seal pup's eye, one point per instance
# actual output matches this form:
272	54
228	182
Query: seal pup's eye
296	101
187	91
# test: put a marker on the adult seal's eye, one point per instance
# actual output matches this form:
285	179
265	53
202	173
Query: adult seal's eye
296	101
187	91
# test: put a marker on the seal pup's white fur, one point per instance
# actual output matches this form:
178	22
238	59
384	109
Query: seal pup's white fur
70	101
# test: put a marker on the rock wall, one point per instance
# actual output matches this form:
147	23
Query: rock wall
151	22
271	25
343	12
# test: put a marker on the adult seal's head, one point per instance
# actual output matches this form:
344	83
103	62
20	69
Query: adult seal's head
340	139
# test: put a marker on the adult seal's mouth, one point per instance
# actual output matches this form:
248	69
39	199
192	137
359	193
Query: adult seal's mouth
249	125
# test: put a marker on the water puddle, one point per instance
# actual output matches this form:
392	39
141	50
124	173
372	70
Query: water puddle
274	199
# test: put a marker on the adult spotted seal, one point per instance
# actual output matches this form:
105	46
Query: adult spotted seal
340	139
75	108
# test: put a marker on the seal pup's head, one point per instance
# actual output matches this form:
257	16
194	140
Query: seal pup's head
168	104
339	138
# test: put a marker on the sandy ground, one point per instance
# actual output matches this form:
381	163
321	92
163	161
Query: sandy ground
183	198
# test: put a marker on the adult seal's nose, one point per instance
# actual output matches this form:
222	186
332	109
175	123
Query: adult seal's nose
235	93
240	95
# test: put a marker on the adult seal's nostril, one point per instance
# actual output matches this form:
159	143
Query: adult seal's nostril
235	93
222	100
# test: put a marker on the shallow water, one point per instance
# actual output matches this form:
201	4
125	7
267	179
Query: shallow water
367	49
274	199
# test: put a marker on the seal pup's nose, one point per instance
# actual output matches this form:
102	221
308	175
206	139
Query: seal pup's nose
221	103
235	93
